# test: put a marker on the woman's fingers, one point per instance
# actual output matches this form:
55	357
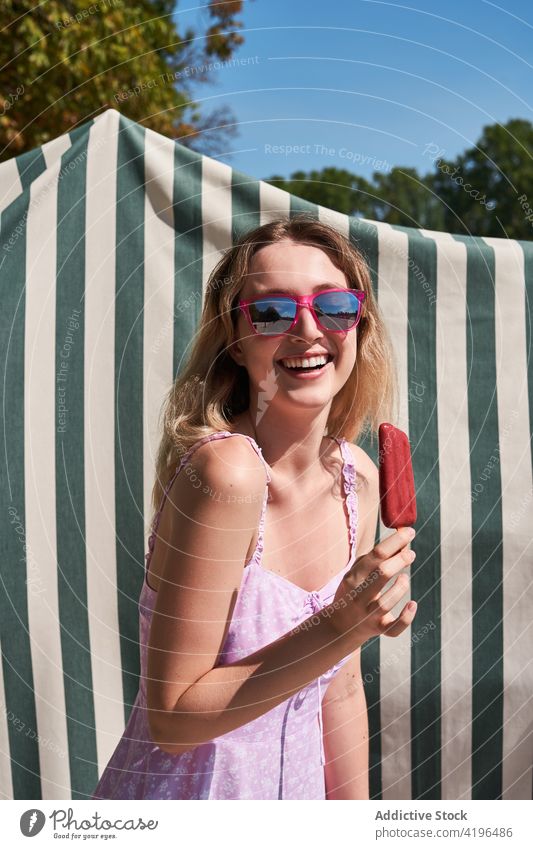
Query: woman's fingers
398	625
388	599
379	577
389	546
366	604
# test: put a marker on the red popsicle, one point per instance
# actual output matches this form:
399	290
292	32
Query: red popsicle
396	481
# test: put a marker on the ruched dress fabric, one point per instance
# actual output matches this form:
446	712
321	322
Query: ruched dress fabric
279	755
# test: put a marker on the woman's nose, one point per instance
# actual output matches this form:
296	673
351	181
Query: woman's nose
306	327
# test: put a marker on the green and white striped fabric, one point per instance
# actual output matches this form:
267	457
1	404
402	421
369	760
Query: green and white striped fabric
108	235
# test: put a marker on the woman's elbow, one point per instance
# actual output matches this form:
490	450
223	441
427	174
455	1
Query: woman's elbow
168	734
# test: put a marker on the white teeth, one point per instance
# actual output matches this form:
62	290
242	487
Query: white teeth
300	362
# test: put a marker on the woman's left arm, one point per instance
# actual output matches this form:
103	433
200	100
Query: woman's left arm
344	708
345	728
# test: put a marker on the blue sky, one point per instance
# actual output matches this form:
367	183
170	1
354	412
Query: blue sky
367	85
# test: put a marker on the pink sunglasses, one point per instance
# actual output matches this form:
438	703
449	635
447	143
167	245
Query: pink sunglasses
335	310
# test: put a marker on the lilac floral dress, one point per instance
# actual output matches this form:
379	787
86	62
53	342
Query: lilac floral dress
279	755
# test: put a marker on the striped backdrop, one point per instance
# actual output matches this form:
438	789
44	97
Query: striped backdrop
108	235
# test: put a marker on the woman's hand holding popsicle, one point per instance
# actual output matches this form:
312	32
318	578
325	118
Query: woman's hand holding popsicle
358	608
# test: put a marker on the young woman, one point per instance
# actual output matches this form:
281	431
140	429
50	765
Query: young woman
254	605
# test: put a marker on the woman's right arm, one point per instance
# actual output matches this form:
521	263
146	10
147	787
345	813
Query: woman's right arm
213	517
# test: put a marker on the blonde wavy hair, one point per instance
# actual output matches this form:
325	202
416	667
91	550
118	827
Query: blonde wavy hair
212	387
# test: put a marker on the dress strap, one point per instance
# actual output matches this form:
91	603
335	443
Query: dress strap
258	553
210	436
155	522
221	434
349	481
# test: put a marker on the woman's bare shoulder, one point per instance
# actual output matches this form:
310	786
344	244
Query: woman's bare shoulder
219	476
233	454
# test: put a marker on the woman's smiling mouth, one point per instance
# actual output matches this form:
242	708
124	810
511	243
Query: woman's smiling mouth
306	367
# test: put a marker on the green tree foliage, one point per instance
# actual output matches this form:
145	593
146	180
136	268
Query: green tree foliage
480	190
64	62
403	197
335	188
485	191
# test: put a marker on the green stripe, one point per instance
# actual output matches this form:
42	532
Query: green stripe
425	574
299	205
487	559
188	251
365	237
129	322
245	205
16	656
70	495
30	166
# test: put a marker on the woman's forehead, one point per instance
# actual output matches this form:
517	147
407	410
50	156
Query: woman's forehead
290	266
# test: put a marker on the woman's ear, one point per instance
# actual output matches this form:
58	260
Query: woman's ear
235	352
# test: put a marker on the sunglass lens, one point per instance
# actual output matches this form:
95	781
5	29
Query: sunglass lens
337	310
272	316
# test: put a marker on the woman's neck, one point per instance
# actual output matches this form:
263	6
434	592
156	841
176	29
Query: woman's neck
290	458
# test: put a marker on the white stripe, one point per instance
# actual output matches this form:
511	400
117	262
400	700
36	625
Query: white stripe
10	183
274	202
53	150
517	512
159	238
335	219
6	783
395	666
40	482
216	213
99	442
455	516
10	188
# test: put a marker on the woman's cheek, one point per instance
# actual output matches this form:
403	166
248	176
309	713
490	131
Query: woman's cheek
345	364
